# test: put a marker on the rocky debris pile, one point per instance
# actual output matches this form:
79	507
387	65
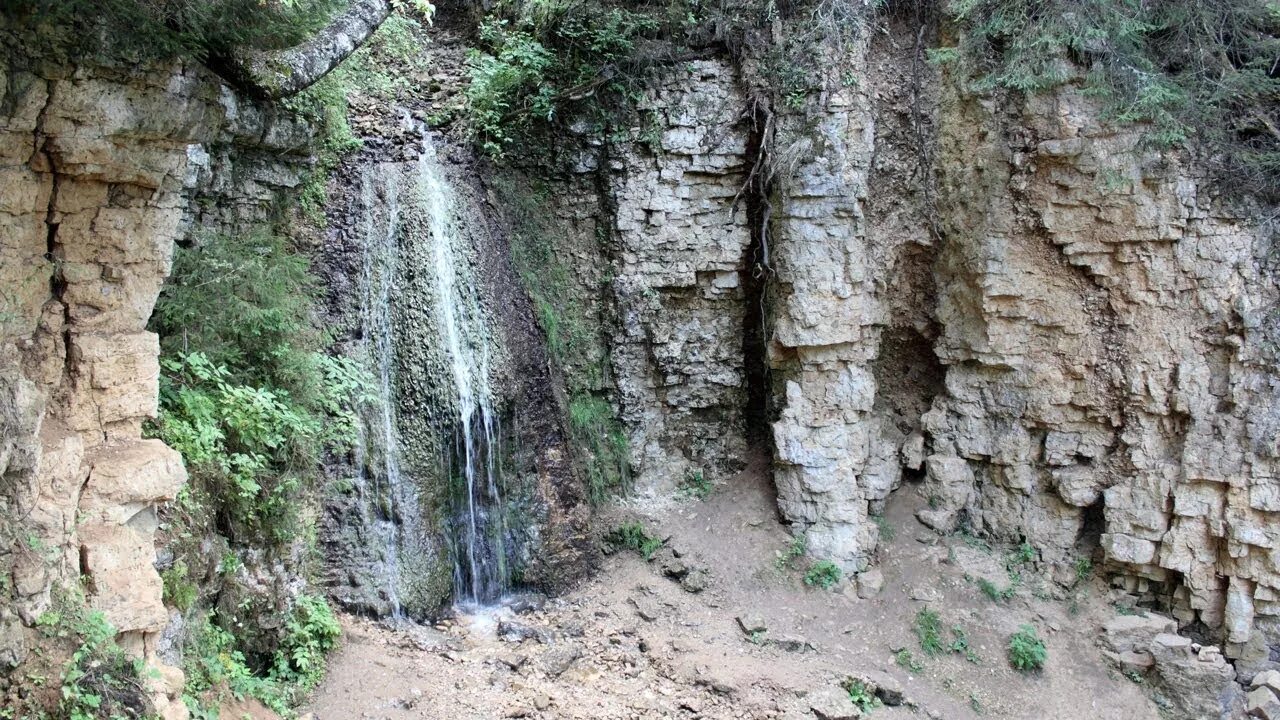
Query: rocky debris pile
757	632
1194	680
1263	700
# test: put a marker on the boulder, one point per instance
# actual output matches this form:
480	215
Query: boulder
1262	703
1196	683
833	704
1127	633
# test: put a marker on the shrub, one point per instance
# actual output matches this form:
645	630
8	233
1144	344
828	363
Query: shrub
861	694
100	679
546	56
245	393
1026	650
994	593
633	536
167	28
179	591
213	663
1083	568
824	574
795	549
928	630
311	631
905	659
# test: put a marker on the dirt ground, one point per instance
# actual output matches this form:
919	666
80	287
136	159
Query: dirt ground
633	643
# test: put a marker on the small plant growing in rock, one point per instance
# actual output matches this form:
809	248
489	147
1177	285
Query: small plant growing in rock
960	645
887	531
1025	554
633	536
1026	650
1084	568
794	550
861	694
928	630
995	594
695	485
905	659
824	574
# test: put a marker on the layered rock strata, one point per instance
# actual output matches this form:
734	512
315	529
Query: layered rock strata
93	170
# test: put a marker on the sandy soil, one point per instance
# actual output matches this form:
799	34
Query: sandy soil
596	653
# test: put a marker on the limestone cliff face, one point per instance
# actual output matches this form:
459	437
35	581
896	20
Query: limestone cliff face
1068	338
104	168
1063	336
93	165
682	248
1109	337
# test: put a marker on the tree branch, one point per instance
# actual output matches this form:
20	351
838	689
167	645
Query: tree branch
275	74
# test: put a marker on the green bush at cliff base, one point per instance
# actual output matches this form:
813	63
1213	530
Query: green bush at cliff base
633	536
1195	72
1026	650
246	395
824	574
213	663
100	679
251	401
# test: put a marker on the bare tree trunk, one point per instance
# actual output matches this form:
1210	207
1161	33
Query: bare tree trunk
275	74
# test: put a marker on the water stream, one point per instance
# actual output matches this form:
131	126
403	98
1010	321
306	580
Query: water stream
378	433
410	216
479	557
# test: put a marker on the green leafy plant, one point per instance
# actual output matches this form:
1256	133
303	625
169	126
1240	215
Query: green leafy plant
1084	568
633	536
861	694
795	549
824	574
1026	650
695	485
906	659
887	531
601	445
545	56
994	593
213	663
960	645
179	590
100	679
311	631
166	28
928	630
1191	72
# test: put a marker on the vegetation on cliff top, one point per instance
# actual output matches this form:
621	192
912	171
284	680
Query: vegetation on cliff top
1200	73
166	28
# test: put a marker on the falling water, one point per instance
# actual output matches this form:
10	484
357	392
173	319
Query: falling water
412	234
479	556
386	486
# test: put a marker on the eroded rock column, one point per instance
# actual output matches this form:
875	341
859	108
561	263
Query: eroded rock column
678	361
92	165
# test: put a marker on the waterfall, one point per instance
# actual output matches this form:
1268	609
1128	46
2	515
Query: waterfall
424	331
480	574
386	514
